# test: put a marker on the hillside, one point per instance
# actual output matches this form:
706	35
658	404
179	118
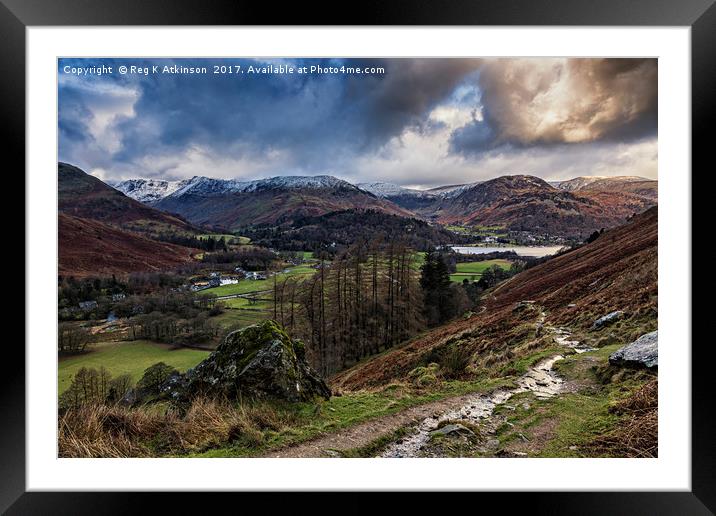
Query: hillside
85	196
91	248
631	184
618	271
231	204
527	203
343	228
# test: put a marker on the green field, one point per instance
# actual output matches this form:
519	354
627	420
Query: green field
298	270
247	286
473	270
242	287
127	358
240	311
243	303
494	231
235	318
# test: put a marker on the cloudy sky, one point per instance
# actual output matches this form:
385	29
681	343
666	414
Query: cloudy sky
419	123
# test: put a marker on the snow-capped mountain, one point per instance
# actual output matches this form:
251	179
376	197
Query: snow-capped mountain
148	190
231	203
387	190
451	191
199	185
581	182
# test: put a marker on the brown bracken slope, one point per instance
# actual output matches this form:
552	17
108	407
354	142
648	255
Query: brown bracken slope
618	271
92	248
83	195
527	203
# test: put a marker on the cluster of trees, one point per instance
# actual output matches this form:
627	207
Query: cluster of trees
336	231
368	299
179	317
72	338
183	303
154	377
372	296
90	385
489	278
248	258
443	300
71	291
168	327
495	274
98	386
209	243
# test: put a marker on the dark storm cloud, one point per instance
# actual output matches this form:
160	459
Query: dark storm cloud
242	125
72	118
304	114
403	96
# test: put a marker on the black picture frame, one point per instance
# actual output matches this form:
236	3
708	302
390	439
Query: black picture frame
17	15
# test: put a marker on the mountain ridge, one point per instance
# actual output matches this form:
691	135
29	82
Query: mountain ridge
517	202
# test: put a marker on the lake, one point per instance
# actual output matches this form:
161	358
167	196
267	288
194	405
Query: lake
521	250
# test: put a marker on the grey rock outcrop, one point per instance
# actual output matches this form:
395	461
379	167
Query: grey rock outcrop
608	319
643	352
257	361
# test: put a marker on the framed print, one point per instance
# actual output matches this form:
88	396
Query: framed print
421	251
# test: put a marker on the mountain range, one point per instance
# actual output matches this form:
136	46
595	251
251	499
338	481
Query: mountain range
231	204
521	202
140	216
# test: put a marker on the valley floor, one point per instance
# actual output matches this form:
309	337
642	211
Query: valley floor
528	375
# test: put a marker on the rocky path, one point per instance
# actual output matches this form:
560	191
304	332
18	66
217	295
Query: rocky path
540	379
365	433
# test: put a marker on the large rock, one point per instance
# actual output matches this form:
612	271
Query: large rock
608	319
257	361
643	352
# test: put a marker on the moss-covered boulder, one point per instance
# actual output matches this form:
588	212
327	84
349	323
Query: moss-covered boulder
257	361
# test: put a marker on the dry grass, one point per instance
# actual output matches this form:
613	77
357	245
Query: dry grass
150	431
637	434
